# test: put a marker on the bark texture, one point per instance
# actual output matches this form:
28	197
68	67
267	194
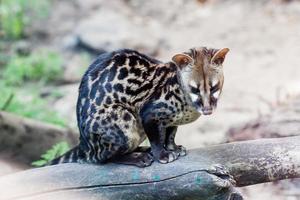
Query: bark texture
192	177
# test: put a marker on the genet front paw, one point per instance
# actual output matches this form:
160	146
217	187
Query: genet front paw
165	156
178	149
181	150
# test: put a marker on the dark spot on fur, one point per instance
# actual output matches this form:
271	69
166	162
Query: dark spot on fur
119	60
123	73
123	99
145	74
118	87
94	89
112	72
133	60
103	76
93	108
95	126
108	87
120	132
134	81
135	71
100	98
115	95
114	116
127	117
108	100
144	62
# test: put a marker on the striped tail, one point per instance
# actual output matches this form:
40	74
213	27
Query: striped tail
71	156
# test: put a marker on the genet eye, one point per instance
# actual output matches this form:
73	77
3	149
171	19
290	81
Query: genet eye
214	89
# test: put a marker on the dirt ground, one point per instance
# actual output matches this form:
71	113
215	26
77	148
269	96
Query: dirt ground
261	68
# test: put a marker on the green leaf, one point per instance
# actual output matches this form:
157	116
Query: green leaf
39	163
55	151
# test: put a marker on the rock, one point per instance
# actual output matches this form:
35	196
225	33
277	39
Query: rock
109	30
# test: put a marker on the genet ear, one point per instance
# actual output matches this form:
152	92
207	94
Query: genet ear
219	56
182	60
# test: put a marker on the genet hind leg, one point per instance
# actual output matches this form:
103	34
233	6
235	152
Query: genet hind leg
146	149
170	142
120	139
113	147
139	159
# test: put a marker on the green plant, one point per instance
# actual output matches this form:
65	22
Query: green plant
40	66
55	151
31	72
27	102
15	15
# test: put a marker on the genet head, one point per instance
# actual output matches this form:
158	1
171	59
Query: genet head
202	75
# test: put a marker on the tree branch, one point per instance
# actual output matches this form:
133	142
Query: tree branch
190	177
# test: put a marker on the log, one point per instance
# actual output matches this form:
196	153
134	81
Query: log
194	176
26	139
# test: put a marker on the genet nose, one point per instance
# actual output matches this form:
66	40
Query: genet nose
207	110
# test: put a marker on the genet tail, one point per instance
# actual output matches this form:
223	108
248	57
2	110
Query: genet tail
71	156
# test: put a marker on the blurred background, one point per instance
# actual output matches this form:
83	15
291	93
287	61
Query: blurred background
46	45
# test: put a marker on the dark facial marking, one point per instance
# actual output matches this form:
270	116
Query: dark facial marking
214	89
194	90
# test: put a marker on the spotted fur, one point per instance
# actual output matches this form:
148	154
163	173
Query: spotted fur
126	96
